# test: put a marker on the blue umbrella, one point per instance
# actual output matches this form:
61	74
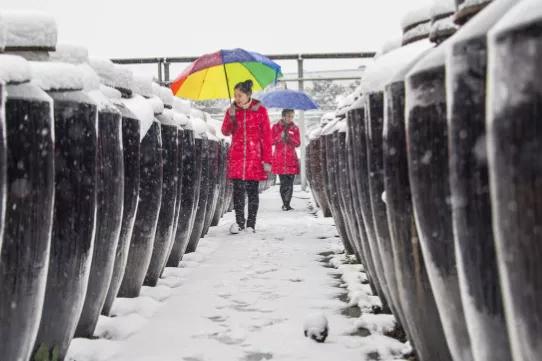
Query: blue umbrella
288	99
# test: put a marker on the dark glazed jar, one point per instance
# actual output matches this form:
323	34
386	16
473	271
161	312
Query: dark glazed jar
27	164
466	68
515	170
75	206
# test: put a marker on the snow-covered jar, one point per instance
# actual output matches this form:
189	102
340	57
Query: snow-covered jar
202	149
385	92
466	77
76	144
330	138
442	20
514	138
170	187
372	87
214	128
214	156
115	85
356	128
466	9
110	192
27	165
147	107
427	149
30	34
416	24
316	171
343	188
190	183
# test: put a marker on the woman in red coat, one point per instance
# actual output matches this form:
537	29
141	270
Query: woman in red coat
285	163
250	153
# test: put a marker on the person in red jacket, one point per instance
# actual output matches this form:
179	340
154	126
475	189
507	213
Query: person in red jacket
285	163
250	153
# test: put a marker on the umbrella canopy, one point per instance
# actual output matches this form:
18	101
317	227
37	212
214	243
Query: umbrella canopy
288	99
214	76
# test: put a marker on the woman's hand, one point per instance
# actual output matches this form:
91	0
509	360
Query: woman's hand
267	167
285	136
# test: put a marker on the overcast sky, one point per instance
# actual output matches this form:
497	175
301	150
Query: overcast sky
142	28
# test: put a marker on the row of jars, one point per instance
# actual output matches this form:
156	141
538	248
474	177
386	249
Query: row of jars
105	179
433	175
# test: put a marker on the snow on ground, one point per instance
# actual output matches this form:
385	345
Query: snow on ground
248	297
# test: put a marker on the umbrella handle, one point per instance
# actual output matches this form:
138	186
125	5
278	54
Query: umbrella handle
227	81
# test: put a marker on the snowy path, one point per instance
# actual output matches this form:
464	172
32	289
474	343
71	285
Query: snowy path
241	297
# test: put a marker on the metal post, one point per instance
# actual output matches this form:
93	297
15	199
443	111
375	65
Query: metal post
160	78
302	127
166	71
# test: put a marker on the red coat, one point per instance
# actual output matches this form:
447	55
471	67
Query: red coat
285	158
251	141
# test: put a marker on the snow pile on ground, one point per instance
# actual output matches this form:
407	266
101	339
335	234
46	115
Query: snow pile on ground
14	69
29	30
316	327
57	76
247	297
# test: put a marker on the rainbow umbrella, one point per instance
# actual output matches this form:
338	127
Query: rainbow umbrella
213	76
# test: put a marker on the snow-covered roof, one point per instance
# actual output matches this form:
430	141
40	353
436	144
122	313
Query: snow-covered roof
68	53
29	30
112	75
142	109
378	74
14	69
142	85
57	76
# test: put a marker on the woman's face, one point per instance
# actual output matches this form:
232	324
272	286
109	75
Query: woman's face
289	118
240	97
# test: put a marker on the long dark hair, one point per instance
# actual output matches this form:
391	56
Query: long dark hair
245	87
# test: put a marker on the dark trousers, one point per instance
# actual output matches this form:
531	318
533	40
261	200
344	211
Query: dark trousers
286	188
242	189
